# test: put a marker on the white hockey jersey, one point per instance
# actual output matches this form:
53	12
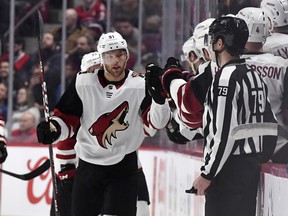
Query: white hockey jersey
274	70
277	44
107	116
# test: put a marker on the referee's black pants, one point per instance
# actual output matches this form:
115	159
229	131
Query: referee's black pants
234	189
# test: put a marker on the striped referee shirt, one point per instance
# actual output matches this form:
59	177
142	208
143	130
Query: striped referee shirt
237	96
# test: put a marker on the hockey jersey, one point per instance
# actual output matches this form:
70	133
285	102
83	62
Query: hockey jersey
237	97
274	70
107	115
189	97
277	44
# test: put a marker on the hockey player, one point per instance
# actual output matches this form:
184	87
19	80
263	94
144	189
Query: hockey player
273	69
236	99
3	150
67	160
178	131
194	50
277	43
105	107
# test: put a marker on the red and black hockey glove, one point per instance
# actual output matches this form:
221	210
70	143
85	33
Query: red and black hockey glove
67	172
153	83
48	132
3	152
172	70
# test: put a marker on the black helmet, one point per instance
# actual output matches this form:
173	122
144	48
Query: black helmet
233	31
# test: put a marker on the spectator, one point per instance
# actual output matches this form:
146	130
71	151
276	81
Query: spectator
96	31
23	103
70	72
27	28
27	131
4	76
74	31
35	88
124	25
91	11
21	59
127	7
48	49
85	44
152	24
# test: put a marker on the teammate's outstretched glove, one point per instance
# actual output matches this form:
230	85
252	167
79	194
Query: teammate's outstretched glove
48	132
153	83
3	152
172	70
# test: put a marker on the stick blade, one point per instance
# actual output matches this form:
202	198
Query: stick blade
41	169
28	176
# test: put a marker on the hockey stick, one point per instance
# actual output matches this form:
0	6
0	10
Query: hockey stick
46	110
28	176
254	129
258	129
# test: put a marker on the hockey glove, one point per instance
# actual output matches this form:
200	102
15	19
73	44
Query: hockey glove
153	83
3	152
172	70
67	172
173	133
48	132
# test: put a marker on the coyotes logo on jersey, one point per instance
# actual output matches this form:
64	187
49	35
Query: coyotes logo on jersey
106	126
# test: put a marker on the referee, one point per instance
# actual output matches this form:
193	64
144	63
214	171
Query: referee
237	99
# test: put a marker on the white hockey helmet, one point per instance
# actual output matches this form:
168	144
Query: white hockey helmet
190	46
199	34
89	60
277	10
111	41
258	23
203	26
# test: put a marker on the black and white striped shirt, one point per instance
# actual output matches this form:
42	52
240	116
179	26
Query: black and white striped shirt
237	96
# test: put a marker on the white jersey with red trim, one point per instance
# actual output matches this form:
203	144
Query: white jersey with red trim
274	70
107	115
277	44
